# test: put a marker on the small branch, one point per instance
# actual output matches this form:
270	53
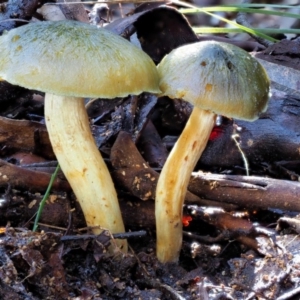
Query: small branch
247	191
125	235
171	293
242	19
22	178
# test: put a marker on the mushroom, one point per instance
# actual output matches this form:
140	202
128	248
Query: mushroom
69	60
217	78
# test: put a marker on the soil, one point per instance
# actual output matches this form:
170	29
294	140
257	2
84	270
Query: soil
229	251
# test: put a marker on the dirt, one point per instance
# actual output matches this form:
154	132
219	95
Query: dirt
228	252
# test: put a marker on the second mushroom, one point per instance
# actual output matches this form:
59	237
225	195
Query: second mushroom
217	78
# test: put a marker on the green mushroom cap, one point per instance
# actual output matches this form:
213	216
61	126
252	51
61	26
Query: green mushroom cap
71	58
218	77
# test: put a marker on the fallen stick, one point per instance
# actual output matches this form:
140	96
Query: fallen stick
22	178
247	191
24	135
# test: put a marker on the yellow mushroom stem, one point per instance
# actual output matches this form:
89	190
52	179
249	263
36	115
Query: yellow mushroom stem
81	162
173	181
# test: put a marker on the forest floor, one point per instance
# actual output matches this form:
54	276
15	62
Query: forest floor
241	239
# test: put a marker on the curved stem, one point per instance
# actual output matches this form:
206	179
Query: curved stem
173	181
81	162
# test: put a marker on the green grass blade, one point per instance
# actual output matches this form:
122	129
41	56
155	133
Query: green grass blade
246	29
238	9
216	30
43	202
257	5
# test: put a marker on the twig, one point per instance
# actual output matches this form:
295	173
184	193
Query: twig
127	235
241	18
14	20
124	235
247	191
107	2
172	294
